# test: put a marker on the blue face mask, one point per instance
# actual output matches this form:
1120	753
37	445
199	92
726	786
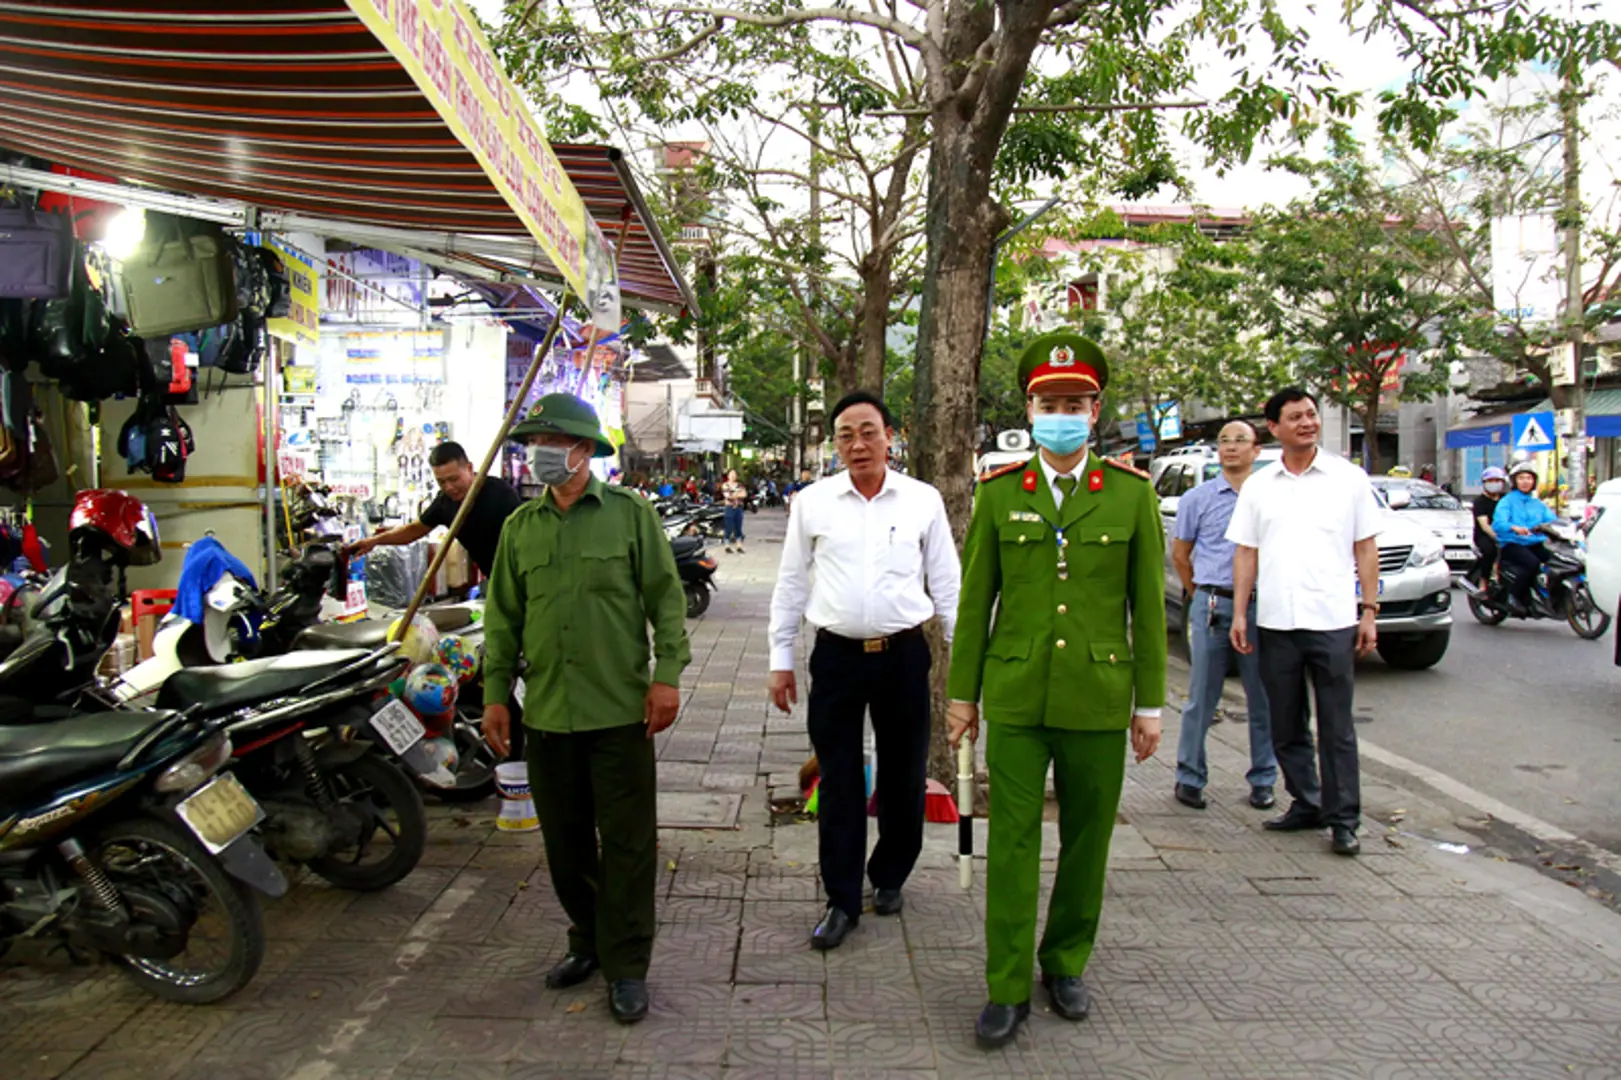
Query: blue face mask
1061	434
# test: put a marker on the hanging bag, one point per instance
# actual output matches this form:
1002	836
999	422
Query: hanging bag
181	278
66	333
36	250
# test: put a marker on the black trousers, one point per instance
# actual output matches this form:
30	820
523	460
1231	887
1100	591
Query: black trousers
1328	657
1520	564
845	682
1481	572
597	798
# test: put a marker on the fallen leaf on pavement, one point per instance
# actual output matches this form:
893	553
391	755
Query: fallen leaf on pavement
315	995
1393	842
576	1007
523	884
672	865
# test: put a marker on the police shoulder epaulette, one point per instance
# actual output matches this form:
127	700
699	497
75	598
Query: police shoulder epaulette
1123	467
992	474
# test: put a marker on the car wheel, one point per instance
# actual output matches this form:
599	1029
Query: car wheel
1414	652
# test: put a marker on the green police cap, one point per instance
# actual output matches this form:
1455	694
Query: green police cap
1063	362
564	414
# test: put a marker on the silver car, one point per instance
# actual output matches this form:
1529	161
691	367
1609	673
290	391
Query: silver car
1441	512
1415	587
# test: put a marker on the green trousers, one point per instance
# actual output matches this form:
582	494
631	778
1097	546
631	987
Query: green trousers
597	798
1088	770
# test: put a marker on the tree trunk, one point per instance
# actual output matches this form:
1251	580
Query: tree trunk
846	368
874	315
1370	434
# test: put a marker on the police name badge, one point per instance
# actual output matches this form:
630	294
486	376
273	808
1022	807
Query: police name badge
1022	515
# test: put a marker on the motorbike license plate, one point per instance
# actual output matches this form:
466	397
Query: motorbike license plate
220	812
396	725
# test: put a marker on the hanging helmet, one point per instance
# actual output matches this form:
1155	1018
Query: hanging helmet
1522	467
1493	473
117	520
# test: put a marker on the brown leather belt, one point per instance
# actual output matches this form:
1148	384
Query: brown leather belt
870	645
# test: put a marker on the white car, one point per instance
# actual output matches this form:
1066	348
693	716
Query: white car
1604	548
1415	586
1441	512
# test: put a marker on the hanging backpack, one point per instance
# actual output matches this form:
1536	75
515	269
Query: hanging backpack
168	444
280	295
65	333
181	278
111	371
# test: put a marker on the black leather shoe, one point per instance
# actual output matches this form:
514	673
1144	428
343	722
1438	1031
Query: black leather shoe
627	999
572	970
1345	841
1069	997
1262	797
1190	797
1300	818
887	901
997	1024
833	929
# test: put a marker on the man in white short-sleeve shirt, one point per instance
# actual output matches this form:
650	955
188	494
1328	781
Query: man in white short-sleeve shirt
1305	534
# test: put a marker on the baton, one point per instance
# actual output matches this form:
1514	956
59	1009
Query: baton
965	812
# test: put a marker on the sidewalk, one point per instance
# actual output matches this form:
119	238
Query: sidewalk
1225	952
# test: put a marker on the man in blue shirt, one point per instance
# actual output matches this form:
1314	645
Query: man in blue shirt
1203	557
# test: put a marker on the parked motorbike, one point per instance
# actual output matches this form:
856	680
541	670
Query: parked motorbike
697	572
118	833
1559	592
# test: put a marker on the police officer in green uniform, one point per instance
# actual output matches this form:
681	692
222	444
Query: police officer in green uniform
579	575
1066	551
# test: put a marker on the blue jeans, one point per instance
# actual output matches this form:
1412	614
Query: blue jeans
732	524
1210	618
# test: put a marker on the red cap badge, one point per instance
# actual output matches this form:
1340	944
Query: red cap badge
1029	481
1094	480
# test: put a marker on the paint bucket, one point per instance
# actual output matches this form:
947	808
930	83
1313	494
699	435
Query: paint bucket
517	808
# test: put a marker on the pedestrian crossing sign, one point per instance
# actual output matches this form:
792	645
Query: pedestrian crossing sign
1532	431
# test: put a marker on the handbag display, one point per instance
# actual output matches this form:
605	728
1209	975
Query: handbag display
36	250
180	279
64	332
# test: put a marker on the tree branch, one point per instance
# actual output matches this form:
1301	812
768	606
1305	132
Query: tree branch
896	27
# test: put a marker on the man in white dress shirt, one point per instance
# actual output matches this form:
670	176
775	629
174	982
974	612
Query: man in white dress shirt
1307	534
868	560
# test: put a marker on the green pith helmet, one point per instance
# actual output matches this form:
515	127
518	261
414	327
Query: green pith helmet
564	414
1063	362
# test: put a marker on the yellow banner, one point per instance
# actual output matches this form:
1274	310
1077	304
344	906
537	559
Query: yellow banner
303	325
441	45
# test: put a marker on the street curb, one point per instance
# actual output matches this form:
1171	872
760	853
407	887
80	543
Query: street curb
1441	784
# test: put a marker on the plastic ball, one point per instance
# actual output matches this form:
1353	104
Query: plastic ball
419	640
458	656
430	691
443	757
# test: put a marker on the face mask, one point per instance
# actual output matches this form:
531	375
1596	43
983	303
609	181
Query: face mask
1495	487
1061	434
549	465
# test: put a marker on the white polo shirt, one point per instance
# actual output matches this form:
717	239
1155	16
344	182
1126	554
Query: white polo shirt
1304	527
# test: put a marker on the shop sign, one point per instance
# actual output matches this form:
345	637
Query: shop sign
303	325
351	490
440	44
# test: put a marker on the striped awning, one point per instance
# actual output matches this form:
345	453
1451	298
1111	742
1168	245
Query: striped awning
293	106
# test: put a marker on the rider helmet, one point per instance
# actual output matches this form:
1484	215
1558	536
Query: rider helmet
1522	467
117	520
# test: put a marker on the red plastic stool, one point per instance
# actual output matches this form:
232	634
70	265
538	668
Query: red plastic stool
147	606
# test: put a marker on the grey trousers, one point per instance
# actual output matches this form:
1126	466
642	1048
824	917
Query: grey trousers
1329	658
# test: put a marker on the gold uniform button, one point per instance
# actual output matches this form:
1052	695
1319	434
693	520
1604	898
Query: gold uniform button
1063	609
1105	538
1061	643
1111	658
1021	538
1063	575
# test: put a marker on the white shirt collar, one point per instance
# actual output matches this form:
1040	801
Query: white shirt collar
847	486
1053	474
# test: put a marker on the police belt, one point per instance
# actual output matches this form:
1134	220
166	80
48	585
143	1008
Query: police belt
869	645
1218	590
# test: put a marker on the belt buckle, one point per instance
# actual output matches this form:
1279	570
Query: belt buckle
873	645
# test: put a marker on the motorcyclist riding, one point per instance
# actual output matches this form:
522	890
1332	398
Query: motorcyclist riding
1494	485
1515	522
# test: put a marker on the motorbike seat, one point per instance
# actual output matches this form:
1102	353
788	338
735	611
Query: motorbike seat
37	758
686	546
223	688
373	633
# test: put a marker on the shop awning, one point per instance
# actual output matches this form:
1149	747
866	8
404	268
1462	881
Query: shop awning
329	113
1603	409
1490	430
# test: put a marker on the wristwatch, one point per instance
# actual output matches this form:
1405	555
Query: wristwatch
1362	609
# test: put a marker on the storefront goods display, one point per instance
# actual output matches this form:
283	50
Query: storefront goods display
420	638
458	656
180	278
430	692
35	252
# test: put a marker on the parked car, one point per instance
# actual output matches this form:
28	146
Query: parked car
1443	513
1603	527
1415	585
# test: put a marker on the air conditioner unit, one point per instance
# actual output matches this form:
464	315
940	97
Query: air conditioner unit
1013	441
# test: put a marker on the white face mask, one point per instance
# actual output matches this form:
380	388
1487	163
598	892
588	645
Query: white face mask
549	464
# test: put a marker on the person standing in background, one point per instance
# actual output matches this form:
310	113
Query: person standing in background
868	559
734	494
1203	557
1306	534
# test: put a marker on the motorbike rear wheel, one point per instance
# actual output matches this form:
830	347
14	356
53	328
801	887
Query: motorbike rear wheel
393	825
697	601
1486	613
154	857
1584	616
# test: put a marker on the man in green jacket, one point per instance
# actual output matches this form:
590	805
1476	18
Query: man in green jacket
1067	551
579	575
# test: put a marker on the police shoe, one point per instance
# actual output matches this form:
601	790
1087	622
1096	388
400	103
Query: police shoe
1345	841
1069	997
572	970
998	1024
833	929
887	901
1300	818
627	1000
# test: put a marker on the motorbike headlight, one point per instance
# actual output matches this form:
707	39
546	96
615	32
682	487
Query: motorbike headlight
196	767
1430	551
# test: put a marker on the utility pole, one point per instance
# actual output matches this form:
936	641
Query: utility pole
1575	308
796	427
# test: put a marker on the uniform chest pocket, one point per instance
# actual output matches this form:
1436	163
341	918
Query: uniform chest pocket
539	572
1102	549
607	568
1026	549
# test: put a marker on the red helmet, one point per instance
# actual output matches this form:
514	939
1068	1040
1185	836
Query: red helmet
118	518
